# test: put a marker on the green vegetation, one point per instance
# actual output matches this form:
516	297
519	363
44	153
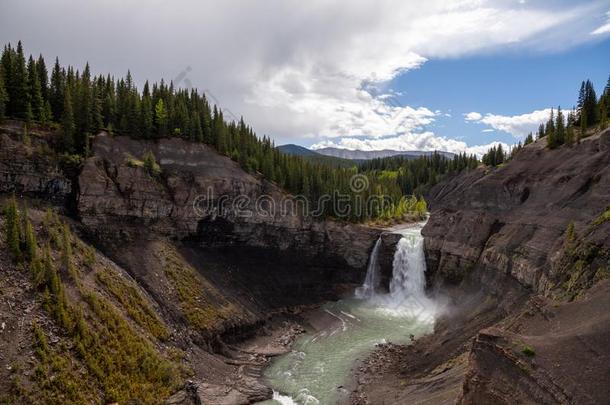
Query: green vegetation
84	104
603	217
583	263
589	112
561	130
399	175
57	375
528	351
150	164
126	367
135	305
192	294
12	228
495	156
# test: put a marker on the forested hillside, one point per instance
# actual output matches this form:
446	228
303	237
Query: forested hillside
79	104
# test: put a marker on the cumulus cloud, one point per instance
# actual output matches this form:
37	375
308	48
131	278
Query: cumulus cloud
472	116
604	29
292	69
517	125
426	141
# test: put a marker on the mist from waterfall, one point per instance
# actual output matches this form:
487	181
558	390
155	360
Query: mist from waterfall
407	286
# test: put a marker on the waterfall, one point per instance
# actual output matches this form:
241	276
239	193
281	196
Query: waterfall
409	267
371	281
408	283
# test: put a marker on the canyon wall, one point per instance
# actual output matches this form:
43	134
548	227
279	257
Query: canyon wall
514	219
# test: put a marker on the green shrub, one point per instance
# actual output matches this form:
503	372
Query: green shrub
528	351
150	164
12	228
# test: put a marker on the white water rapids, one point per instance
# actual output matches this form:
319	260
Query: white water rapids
318	366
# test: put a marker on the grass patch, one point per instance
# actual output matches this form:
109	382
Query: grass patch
197	310
133	302
603	217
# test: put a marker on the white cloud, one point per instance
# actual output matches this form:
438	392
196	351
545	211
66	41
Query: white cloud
488	130
294	69
517	125
473	116
426	141
604	29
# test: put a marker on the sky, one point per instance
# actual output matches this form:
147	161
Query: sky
456	75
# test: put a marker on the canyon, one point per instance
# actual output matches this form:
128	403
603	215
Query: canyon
232	285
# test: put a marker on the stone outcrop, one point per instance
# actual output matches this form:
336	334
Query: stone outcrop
526	320
513	219
205	197
30	170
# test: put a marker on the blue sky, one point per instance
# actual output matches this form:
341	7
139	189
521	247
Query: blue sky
508	84
357	74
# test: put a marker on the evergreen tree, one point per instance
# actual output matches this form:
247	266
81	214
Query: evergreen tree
161	118
3	96
29	237
68	123
559	128
528	139
56	92
541	131
35	100
43	78
18	88
12	228
583	125
6	68
47	116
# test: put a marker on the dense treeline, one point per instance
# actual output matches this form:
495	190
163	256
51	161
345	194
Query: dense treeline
561	129
414	175
589	112
80	104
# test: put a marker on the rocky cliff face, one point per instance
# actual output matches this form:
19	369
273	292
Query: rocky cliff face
215	255
513	219
29	169
207	198
526	320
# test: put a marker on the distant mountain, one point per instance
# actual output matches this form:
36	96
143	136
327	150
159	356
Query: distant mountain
292	149
374	154
313	156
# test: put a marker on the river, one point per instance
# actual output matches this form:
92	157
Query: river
320	363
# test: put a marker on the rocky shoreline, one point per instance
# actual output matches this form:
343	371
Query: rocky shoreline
245	385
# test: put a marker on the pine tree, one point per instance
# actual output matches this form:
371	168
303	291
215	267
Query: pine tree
6	67
551	141
29	237
583	125
161	118
18	88
56	92
35	100
528	139
43	78
559	128
12	228
3	96
603	120
590	103
541	131
67	122
47	116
